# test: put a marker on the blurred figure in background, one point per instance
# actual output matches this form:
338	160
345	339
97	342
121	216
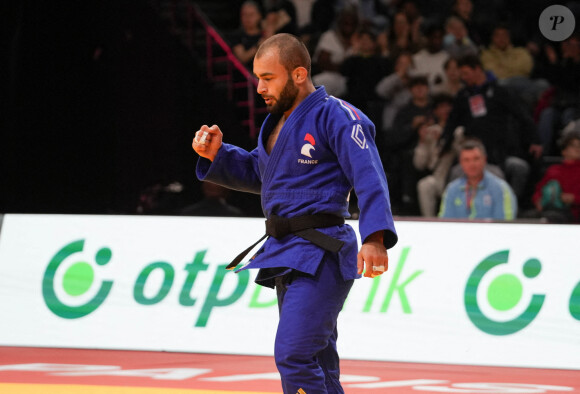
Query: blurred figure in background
430	61
495	116
334	46
399	37
464	11
452	83
563	105
427	158
280	17
557	194
214	203
512	66
363	71
478	194
247	38
456	41
401	142
394	90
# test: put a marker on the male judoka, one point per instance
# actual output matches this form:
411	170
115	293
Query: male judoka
313	149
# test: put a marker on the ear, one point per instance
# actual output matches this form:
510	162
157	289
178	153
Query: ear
300	75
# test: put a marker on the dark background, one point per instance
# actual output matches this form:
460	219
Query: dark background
98	103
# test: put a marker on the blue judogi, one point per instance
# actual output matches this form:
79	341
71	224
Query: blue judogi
324	149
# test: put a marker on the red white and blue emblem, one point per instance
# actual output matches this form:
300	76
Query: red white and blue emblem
309	146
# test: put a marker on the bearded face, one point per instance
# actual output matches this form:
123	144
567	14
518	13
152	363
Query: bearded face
285	101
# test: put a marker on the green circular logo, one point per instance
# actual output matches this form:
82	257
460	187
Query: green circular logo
504	293
77	280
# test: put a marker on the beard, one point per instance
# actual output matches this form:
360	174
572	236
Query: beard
286	99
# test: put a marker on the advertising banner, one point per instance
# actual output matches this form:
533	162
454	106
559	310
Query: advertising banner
461	293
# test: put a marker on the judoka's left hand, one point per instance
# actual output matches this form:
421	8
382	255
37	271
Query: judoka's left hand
374	254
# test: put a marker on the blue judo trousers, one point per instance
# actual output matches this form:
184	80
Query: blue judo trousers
305	350
324	149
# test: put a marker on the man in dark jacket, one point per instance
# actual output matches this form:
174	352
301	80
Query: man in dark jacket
495	116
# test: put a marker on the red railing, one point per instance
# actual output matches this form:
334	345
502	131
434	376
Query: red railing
227	57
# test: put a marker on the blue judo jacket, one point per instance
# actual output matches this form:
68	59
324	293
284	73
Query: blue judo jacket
324	149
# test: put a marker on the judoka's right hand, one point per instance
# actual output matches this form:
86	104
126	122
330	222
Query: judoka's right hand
373	255
207	141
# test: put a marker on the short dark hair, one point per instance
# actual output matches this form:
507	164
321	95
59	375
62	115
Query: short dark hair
432	28
291	51
501	25
255	4
471	61
568	137
442	98
418	80
367	31
473	143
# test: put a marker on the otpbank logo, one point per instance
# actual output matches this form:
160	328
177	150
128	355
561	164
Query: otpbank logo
77	280
503	294
70	288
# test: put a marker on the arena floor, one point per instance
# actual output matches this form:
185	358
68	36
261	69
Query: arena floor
27	370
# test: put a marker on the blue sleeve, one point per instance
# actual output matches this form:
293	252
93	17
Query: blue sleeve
505	203
233	167
354	145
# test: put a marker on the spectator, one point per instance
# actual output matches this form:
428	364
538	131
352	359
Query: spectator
214	203
161	198
303	12
247	38
512	66
557	194
399	38
404	134
402	141
456	41
394	90
452	83
322	16
478	194
564	106
280	17
372	14
426	152
463	9
487	112
333	47
572	126
363	71
427	158
430	61
416	20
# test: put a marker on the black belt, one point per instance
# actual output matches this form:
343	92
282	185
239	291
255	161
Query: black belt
302	226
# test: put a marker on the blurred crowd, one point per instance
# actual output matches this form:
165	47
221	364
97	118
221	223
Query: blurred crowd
434	75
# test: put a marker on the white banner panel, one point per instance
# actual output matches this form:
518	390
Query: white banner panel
464	293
